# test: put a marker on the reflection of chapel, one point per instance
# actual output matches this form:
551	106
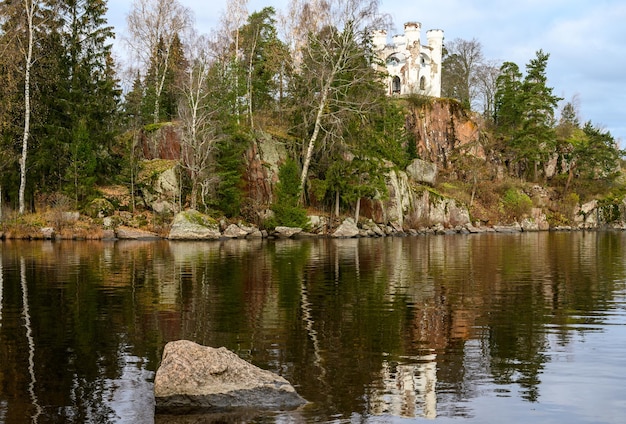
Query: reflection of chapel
412	67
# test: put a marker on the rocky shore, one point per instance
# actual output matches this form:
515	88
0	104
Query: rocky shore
192	225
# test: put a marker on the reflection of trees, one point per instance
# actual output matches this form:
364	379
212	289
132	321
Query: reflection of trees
1	287
360	325
67	320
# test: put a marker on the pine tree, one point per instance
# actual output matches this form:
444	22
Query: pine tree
167	64
508	113
287	211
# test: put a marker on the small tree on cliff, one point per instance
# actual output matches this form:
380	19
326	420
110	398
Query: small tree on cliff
287	210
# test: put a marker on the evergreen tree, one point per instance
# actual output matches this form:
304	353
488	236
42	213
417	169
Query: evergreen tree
154	28
167	65
88	96
228	196
537	138
265	61
132	103
287	211
599	156
524	115
508	106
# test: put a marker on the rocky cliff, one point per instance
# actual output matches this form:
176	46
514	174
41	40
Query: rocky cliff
442	132
441	128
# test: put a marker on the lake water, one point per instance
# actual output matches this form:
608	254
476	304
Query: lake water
515	328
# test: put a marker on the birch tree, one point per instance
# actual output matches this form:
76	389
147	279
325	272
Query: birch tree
23	27
266	60
332	62
196	115
152	25
301	18
227	46
30	9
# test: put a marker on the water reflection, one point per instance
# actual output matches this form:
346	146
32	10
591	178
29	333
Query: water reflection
31	342
399	327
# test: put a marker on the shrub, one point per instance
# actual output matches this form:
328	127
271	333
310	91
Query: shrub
516	203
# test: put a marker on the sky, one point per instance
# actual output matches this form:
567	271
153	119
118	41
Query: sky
586	40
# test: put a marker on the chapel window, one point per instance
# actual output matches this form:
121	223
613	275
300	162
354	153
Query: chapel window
395	85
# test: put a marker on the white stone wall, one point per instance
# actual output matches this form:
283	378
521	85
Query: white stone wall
412	68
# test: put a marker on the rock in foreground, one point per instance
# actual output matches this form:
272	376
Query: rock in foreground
195	378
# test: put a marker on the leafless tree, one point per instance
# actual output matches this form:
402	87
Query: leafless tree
198	130
302	18
151	22
234	19
460	67
485	78
333	31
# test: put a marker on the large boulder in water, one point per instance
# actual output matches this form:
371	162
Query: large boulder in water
195	378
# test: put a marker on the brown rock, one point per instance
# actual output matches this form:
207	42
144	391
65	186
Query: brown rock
195	378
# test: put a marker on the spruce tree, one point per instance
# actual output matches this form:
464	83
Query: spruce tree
524	116
537	138
89	96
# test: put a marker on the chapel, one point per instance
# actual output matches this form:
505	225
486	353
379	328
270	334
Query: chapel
412	68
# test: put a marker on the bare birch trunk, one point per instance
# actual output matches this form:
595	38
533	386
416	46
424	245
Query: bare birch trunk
160	84
313	139
249	84
29	7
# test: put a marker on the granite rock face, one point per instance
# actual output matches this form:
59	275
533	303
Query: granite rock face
194	378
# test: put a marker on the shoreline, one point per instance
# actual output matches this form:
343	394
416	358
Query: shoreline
126	233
